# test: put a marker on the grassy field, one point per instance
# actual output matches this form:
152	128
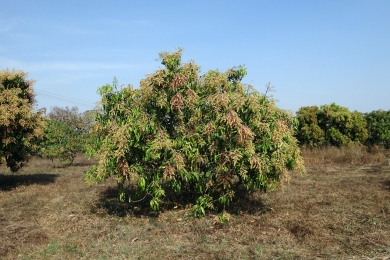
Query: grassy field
339	210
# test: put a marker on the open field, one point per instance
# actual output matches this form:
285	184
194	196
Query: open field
339	210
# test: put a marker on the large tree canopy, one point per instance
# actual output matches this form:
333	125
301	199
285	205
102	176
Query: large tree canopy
20	126
204	134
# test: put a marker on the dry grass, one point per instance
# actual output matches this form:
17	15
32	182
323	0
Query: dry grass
339	210
357	155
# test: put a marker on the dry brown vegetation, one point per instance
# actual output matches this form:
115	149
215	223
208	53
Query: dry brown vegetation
339	210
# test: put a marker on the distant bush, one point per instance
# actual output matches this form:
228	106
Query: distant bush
20	125
202	134
378	126
330	125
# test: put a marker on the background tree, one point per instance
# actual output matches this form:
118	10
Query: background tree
83	122
20	126
309	131
378	126
67	133
204	135
61	141
330	125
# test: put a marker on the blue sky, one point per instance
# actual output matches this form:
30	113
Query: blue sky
313	52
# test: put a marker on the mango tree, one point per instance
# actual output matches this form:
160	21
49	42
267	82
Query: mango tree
203	134
67	133
20	126
378	126
330	125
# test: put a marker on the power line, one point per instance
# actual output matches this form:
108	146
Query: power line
49	93
65	100
62	98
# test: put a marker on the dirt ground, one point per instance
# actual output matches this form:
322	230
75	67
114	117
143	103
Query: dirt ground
339	210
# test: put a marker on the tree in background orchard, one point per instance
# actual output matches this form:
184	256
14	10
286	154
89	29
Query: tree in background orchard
330	125
202	135
67	133
309	132
83	122
378	126
20	126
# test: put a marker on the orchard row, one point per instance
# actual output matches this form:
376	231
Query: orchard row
182	132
